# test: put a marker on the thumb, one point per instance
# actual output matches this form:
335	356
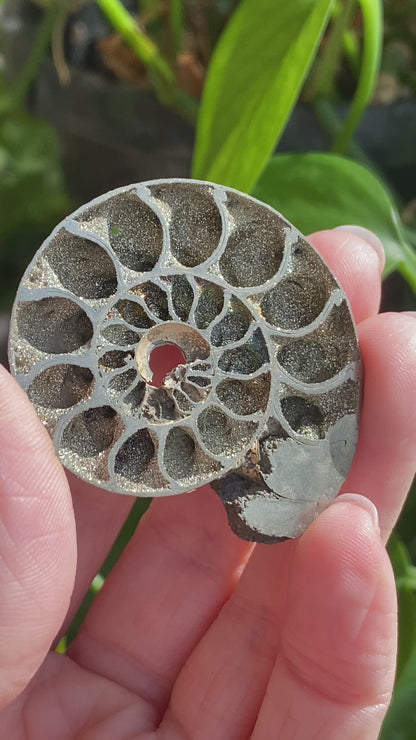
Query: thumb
37	541
339	637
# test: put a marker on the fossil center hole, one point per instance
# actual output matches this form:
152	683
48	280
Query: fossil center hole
178	343
163	359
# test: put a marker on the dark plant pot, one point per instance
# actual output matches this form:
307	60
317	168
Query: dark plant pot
110	134
386	133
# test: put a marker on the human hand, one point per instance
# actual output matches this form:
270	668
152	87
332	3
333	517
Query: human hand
197	635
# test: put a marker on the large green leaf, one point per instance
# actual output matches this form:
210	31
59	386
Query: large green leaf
255	75
321	191
404	573
405	527
400	722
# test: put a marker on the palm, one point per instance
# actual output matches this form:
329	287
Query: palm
197	634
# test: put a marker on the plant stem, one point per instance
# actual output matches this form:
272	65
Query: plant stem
329	120
37	53
372	44
407	268
410	235
323	81
408	580
160	72
147	51
176	16
186	106
352	51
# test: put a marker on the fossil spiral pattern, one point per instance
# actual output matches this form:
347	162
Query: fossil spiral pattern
265	405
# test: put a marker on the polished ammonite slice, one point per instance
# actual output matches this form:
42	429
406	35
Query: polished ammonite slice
264	405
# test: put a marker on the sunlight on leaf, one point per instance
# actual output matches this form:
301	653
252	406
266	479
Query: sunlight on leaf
253	81
321	191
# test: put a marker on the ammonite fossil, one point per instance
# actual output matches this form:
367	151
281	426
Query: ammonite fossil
265	405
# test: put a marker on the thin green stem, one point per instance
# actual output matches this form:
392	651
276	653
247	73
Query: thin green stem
97	583
323	81
37	53
408	580
329	120
146	50
176	15
160	72
372	13
352	50
410	235
186	106
407	267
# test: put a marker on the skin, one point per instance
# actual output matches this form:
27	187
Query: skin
197	635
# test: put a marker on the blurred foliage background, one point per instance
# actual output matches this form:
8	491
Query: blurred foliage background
311	106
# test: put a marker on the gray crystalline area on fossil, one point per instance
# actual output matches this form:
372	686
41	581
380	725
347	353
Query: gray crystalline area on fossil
265	404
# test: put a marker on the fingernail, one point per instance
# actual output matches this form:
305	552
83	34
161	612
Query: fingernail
368	236
364	503
410	313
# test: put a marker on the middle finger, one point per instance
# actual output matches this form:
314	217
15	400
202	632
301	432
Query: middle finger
179	586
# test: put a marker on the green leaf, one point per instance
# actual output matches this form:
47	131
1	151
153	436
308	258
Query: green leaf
254	78
405	526
321	191
404	574
400	722
176	13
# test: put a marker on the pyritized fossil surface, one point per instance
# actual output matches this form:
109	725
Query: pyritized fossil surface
265	406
